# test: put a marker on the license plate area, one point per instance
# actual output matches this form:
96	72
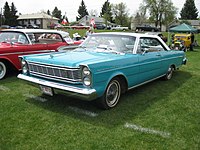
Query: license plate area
46	90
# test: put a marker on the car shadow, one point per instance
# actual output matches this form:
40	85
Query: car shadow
131	104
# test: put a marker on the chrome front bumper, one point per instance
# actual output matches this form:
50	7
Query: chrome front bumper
58	88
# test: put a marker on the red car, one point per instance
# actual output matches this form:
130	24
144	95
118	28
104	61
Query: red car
79	26
15	42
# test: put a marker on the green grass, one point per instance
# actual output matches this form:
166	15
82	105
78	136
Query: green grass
159	108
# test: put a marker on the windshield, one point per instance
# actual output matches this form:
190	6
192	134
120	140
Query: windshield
110	43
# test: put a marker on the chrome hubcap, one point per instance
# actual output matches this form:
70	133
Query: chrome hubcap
113	93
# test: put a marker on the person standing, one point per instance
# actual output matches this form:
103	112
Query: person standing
192	41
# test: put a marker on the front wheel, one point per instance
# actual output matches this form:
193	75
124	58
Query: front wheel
112	94
2	70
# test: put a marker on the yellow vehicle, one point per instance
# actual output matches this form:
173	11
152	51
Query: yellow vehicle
183	38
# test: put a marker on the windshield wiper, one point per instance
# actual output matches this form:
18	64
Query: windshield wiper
107	49
82	46
80	49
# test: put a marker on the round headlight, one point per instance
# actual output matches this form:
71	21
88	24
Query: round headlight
86	71
24	66
87	81
24	69
86	76
23	62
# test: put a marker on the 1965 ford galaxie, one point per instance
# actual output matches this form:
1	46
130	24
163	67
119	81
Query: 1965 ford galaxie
103	67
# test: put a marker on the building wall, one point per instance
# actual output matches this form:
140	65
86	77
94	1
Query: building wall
42	23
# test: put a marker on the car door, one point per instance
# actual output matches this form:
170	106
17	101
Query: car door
52	41
16	44
36	46
44	43
150	58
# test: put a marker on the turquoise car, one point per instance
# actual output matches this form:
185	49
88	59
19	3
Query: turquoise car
103	67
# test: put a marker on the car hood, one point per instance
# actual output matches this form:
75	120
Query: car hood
73	58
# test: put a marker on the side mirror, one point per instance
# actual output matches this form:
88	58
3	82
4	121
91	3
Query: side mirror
144	50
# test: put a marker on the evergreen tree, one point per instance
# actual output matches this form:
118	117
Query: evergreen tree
10	17
82	11
57	13
106	12
65	17
189	11
7	14
13	17
48	12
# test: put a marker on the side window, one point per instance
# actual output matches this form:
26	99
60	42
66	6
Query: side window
32	37
22	39
13	37
149	45
47	38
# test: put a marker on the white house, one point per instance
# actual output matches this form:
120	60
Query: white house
42	20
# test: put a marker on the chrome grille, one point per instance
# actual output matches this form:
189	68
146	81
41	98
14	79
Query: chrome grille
55	72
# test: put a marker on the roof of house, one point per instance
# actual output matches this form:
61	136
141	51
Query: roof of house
36	16
194	22
97	19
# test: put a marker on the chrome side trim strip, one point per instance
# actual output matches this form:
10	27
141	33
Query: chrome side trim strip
27	52
145	82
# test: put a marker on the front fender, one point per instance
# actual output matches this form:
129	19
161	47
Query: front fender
14	63
101	85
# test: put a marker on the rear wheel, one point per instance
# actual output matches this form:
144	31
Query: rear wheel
2	70
112	94
169	73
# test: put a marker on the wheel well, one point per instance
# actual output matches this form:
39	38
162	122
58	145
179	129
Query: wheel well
8	64
123	83
173	66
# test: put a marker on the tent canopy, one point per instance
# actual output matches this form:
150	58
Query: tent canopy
183	28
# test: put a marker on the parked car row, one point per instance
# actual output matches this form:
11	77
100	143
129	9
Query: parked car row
29	26
121	28
147	28
103	67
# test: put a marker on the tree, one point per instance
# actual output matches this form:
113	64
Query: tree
120	14
189	11
93	12
106	12
82	11
13	16
48	12
169	15
7	13
139	19
160	11
10	17
140	16
57	13
65	18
